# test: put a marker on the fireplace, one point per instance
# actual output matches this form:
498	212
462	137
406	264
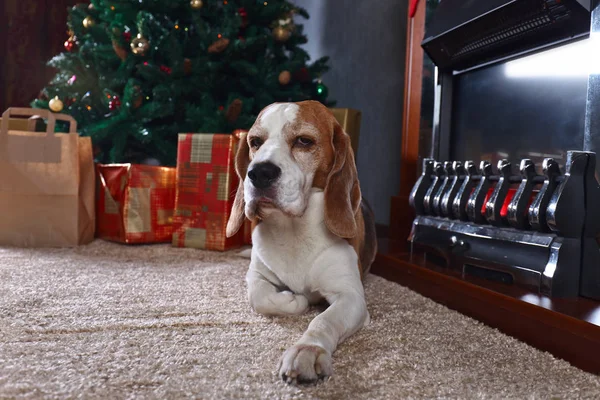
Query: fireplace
508	189
535	231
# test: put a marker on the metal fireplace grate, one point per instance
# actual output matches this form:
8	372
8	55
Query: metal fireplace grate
534	231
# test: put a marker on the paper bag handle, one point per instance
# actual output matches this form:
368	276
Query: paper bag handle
62	117
69	119
37	113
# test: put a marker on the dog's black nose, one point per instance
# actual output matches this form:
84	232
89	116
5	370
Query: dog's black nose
264	174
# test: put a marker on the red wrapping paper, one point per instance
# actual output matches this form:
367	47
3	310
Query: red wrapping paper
206	186
135	203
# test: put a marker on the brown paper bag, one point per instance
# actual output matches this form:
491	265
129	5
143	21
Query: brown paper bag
46	184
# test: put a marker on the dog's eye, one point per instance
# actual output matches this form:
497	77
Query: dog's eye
304	141
256	143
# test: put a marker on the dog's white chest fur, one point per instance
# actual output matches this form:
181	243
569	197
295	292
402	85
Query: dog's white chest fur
297	250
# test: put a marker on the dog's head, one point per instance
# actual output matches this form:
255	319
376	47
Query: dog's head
290	149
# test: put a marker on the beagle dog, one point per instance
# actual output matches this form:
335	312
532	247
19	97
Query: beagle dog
314	237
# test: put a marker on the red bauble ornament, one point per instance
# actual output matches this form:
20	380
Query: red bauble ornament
221	108
69	44
114	103
244	14
165	69
127	36
302	75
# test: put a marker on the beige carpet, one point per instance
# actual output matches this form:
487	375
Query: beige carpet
113	322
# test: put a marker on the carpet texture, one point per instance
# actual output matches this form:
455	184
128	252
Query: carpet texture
111	321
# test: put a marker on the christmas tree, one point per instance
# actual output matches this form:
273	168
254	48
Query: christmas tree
136	73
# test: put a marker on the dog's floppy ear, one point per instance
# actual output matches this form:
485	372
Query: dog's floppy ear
342	190
242	159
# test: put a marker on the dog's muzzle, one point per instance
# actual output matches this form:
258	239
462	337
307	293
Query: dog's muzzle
263	175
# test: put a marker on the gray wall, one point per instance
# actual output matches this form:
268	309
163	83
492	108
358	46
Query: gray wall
366	43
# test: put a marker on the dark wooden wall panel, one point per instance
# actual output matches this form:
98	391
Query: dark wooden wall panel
31	32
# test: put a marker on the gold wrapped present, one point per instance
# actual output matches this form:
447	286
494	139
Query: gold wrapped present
350	121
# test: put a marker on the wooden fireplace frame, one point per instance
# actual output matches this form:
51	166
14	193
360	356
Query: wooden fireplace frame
567	328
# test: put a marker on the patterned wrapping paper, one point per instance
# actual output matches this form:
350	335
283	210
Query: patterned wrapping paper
206	186
135	203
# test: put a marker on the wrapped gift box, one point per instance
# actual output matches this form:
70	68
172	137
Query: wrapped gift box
135	203
206	186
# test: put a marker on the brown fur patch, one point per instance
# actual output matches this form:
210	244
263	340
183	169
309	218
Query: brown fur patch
345	214
318	116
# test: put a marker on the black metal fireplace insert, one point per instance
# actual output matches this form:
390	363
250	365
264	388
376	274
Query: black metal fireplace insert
535	231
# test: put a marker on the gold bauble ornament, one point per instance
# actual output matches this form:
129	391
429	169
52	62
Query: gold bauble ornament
281	34
56	104
196	4
285	77
140	45
88	22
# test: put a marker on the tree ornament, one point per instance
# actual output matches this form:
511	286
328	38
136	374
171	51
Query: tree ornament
120	51
140	45
56	104
72	80
287	22
165	69
244	15
70	44
91	7
88	22
137	102
321	91
187	66
114	103
285	77
196	4
219	46
302	75
281	34
127	36
233	111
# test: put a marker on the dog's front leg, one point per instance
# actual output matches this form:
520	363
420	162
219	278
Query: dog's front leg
310	358
265	295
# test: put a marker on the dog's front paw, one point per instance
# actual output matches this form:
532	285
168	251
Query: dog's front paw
305	364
